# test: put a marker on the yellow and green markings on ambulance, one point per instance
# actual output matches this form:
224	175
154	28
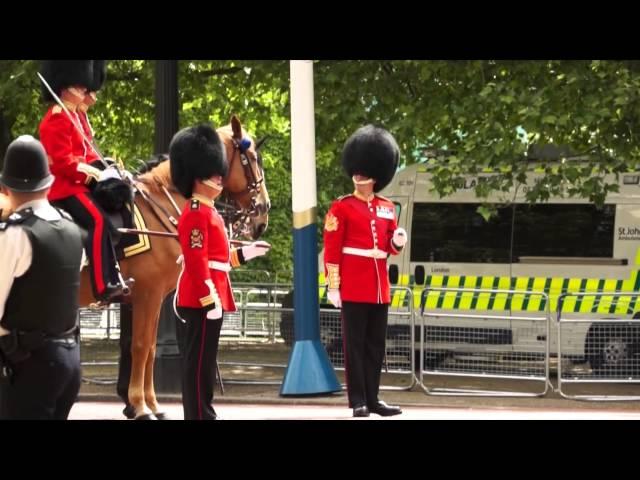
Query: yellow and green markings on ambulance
533	301
553	287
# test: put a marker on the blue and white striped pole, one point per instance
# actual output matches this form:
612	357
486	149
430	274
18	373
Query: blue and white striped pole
309	370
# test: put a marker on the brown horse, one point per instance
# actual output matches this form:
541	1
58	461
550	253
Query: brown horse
156	273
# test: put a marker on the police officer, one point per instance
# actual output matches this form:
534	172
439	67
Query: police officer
70	156
40	254
360	231
198	164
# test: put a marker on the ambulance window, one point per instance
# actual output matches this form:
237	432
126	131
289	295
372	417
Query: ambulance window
564	230
455	232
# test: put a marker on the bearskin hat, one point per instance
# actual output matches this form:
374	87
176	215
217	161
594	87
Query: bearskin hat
61	74
99	75
373	152
196	153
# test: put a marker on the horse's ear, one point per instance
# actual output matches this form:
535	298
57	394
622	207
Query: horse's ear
260	142
236	126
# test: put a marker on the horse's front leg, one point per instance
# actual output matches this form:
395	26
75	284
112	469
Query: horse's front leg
149	390
140	347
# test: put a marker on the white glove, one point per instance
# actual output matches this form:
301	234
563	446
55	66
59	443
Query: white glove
108	173
334	297
256	249
400	237
215	314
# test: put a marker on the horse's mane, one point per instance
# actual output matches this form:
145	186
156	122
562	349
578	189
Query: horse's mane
155	173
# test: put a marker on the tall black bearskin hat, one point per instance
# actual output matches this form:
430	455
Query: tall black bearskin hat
373	152
99	75
61	74
196	153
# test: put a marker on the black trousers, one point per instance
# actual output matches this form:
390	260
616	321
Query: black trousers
45	386
86	213
124	363
198	339
364	329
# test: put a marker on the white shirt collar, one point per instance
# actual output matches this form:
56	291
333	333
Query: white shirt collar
41	208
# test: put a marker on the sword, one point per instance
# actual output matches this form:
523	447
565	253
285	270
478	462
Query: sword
133	231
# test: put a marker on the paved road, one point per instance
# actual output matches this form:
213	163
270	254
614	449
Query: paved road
112	411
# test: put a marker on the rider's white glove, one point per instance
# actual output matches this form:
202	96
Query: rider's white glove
108	173
400	237
334	297
215	314
256	249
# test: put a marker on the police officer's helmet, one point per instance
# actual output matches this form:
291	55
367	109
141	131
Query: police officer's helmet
26	168
372	152
196	153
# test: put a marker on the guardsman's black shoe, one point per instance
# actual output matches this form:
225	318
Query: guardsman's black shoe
360	411
111	291
384	410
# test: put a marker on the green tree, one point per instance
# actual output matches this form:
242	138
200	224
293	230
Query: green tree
479	114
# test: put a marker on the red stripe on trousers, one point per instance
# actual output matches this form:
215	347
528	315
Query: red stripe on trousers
97	240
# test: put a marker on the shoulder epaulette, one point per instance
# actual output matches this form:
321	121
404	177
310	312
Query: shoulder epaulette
345	196
16	218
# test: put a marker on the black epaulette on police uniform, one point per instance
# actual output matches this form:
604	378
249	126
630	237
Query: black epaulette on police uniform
16	218
195	204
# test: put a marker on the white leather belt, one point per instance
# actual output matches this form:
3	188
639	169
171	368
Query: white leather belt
364	252
223	267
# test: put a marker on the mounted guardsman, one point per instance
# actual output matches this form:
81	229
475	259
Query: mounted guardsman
70	156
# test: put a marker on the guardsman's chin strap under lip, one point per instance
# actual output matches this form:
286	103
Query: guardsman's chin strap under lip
213	185
362	182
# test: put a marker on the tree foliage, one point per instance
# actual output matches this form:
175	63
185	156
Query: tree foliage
478	115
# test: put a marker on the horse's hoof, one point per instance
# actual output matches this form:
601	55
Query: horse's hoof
162	416
147	416
129	412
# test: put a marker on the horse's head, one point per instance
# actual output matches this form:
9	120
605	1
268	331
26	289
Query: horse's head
245	189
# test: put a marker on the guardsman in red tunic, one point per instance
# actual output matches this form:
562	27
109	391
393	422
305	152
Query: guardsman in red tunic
69	159
198	164
360	232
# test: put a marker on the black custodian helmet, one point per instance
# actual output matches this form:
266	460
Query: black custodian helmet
26	168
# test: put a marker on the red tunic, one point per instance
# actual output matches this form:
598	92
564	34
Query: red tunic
203	240
67	154
365	229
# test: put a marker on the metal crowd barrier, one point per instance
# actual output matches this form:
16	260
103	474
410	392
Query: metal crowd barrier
599	353
460	347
